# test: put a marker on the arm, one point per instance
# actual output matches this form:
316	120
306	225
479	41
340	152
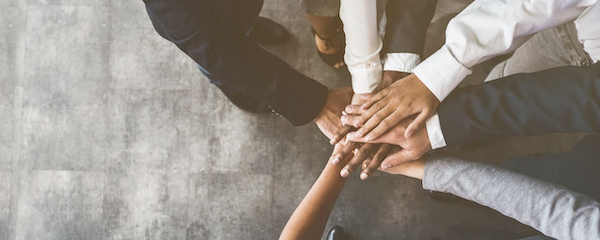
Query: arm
310	217
550	209
564	99
486	29
363	44
407	23
201	30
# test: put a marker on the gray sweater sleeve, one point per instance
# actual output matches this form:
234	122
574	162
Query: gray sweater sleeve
551	209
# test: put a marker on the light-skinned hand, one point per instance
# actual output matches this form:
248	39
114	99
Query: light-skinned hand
412	148
328	119
404	98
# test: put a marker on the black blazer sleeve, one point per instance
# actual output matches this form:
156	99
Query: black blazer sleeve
201	30
558	100
407	22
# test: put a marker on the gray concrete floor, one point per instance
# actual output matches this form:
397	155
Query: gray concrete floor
110	132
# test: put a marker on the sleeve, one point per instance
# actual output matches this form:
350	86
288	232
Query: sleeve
401	62
558	100
203	32
363	44
551	209
588	31
489	28
407	23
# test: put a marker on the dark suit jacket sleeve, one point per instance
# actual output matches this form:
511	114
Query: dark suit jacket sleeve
559	100
407	22
201	30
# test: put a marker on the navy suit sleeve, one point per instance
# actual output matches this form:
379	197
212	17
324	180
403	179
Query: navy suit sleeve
201	30
558	100
407	23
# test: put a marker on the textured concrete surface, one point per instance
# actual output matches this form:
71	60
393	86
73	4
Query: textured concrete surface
110	132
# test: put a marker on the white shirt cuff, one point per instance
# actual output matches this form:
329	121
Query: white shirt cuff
441	73
434	131
365	78
401	62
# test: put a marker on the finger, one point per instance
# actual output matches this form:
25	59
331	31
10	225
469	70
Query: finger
366	163
354	109
341	134
352	121
372	100
376	161
366	96
372	121
386	124
417	123
364	152
398	158
340	152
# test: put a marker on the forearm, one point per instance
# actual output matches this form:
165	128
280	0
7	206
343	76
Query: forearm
212	40
565	99
310	217
363	44
551	209
490	28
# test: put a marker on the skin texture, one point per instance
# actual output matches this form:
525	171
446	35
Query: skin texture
328	119
402	99
413	148
310	217
370	155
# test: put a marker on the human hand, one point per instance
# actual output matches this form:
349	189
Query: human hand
412	148
328	119
363	153
390	77
414	169
404	98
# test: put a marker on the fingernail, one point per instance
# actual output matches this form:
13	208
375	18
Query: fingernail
344	113
344	119
345	173
350	136
364	176
335	161
364	107
386	166
408	134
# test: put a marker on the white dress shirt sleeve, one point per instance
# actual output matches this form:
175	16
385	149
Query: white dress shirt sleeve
488	28
401	62
588	31
363	44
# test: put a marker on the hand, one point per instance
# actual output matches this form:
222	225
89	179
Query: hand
390	77
363	153
328	119
404	98
414	169
412	148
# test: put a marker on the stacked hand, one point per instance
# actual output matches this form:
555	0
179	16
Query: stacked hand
395	116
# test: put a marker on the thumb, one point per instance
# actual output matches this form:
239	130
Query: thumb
385	138
416	123
397	159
